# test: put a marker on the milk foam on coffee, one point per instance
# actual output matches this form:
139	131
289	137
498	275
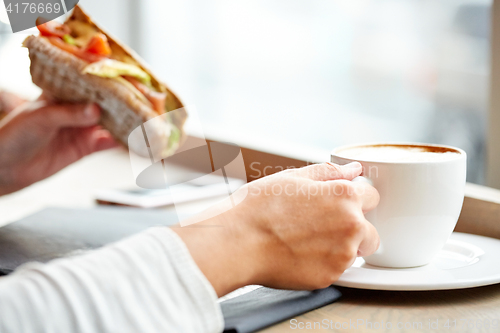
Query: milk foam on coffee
396	154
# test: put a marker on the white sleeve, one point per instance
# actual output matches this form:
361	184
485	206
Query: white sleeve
146	283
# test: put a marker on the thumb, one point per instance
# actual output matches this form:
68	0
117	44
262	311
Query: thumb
330	171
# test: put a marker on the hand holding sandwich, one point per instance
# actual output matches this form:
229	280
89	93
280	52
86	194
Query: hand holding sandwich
95	80
40	138
78	62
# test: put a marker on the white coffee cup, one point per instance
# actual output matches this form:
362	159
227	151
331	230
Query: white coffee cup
420	198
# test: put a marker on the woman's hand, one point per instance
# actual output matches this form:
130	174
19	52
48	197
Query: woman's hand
39	138
9	101
297	229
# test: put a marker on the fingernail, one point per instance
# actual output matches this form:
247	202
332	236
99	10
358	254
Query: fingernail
104	143
352	165
89	110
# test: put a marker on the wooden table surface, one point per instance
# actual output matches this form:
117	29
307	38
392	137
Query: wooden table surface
468	310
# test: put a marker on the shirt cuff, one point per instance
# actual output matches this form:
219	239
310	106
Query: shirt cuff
198	288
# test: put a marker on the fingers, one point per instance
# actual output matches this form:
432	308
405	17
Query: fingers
359	198
90	140
368	198
362	194
103	140
367	194
9	101
75	143
329	171
65	115
370	241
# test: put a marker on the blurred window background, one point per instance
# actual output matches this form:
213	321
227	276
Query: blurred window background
293	76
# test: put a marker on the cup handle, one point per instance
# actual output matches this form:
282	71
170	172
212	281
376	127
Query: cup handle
363	179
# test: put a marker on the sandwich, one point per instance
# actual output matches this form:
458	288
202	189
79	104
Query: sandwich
78	62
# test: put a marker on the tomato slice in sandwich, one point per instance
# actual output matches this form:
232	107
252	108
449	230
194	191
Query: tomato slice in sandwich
99	45
52	28
75	50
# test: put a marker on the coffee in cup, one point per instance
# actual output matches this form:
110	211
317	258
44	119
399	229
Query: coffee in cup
421	189
399	153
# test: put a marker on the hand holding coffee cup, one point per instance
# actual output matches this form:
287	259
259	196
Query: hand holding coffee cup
421	191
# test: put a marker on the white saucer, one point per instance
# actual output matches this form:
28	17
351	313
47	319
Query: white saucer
465	261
